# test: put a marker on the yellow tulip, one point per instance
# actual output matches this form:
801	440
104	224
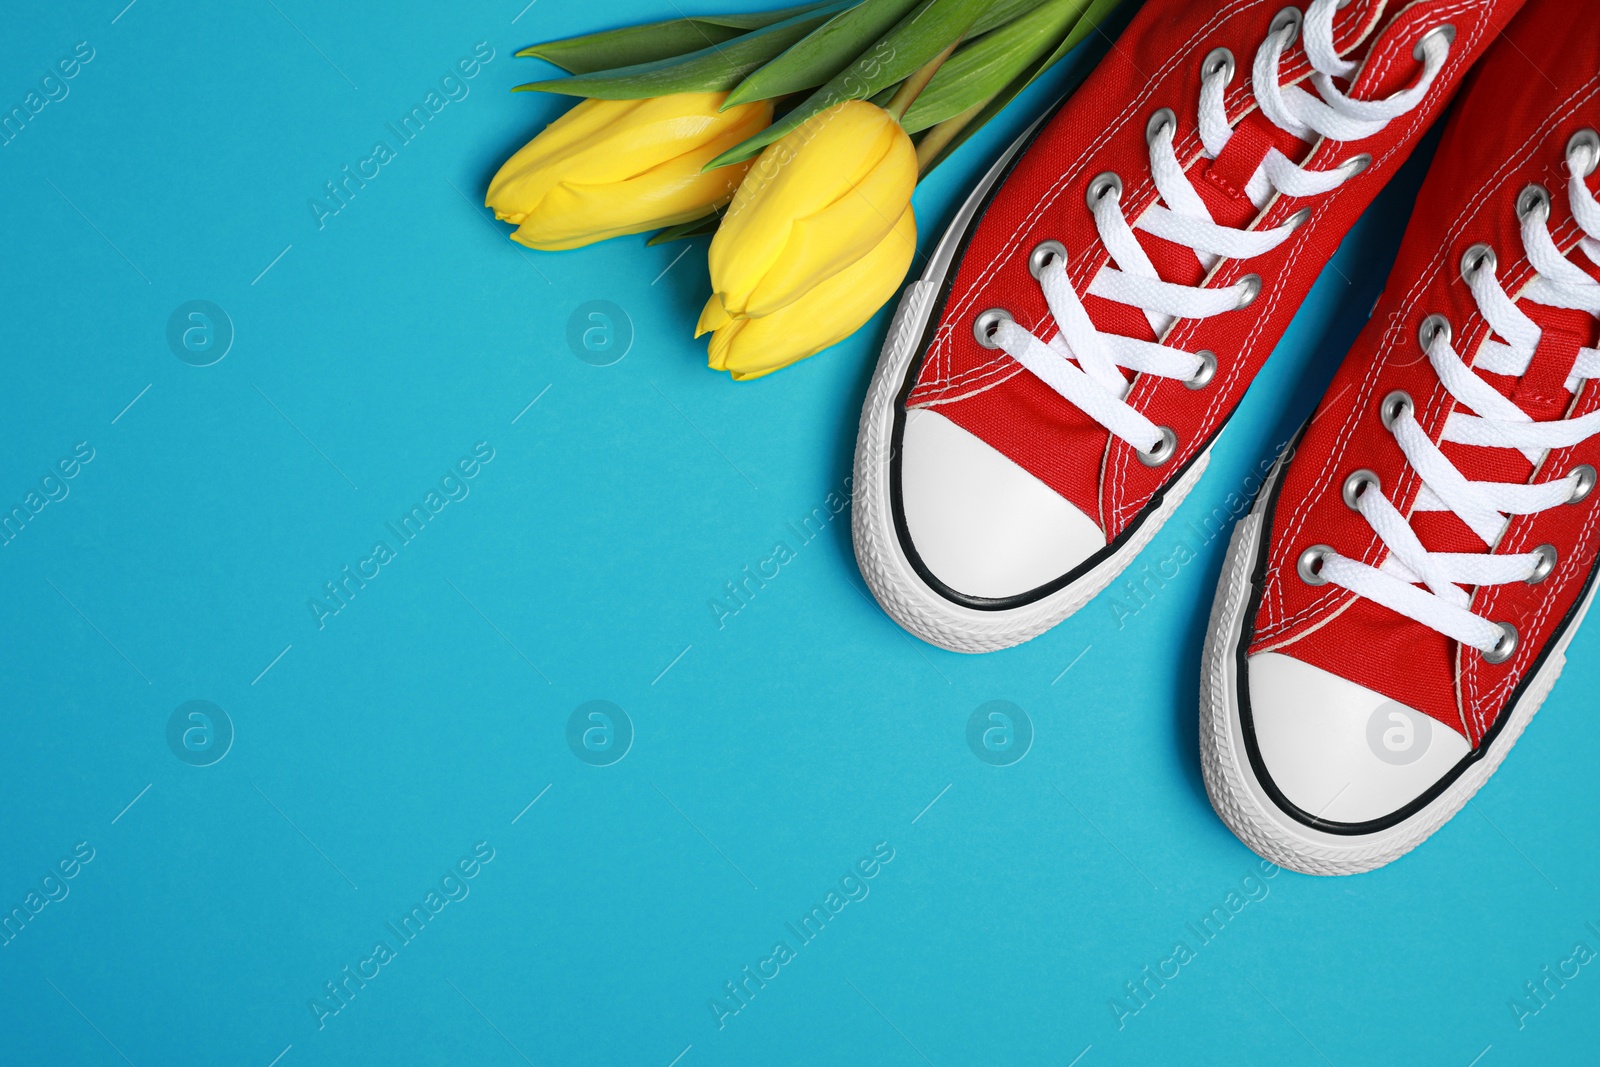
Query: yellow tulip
816	202
831	311
612	167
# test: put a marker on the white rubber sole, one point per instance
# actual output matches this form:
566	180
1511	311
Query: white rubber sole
1238	795
909	600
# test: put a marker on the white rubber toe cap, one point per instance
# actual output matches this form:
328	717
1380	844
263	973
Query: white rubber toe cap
981	524
1339	750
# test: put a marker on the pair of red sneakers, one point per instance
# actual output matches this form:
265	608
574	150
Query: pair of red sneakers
1401	597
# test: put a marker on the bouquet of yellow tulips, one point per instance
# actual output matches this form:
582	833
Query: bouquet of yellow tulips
795	137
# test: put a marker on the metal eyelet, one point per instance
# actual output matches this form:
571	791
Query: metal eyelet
1585	484
1164	449
1358	482
1289	19
1544	565
1477	258
1533	198
1207	370
985	325
1433	327
1504	648
1218	61
1298	219
1394	407
1104	185
1044	256
1252	289
1162	119
1356	164
1588	142
1310	564
1447	31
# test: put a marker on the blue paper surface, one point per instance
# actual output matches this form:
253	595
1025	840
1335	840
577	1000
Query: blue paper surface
577	803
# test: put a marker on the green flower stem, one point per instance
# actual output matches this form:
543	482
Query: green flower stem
918	81
935	140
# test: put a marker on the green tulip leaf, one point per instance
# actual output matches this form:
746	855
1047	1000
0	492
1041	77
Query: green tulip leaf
755	20
916	39
632	45
822	53
979	70
1093	16
685	230
1086	24
1001	12
713	69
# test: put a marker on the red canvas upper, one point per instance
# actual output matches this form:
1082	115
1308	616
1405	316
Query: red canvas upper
1155	64
1510	129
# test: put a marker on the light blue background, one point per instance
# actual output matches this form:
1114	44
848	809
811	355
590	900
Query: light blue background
770	754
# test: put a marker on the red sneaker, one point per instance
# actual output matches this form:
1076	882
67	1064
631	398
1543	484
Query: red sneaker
1401	599
1166	221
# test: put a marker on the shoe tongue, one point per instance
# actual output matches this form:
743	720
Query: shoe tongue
1221	183
1540	391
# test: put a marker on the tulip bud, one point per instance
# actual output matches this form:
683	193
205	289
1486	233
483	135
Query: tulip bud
825	315
816	202
612	167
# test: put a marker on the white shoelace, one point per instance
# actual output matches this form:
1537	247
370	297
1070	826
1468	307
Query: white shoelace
1497	423
1084	365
